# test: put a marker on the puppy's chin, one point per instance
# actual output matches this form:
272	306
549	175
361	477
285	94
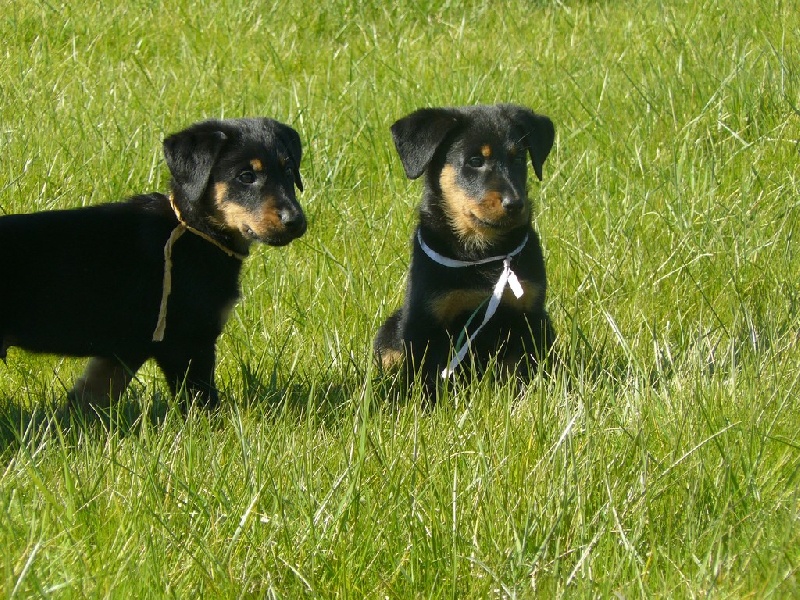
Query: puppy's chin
275	238
494	227
498	227
499	220
477	235
277	241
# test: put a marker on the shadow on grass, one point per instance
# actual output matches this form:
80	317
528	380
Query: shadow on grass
327	395
31	425
326	398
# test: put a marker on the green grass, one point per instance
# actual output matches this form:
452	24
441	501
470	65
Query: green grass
663	462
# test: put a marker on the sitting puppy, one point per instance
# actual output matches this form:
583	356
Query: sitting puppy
476	286
157	275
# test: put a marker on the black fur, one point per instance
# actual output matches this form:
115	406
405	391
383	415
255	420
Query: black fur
474	205
88	281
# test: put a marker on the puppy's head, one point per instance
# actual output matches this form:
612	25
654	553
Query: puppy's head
237	178
475	159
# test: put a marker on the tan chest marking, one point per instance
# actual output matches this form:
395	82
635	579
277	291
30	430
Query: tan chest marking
449	305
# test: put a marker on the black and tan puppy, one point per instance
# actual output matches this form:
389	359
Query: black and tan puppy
154	276
476	286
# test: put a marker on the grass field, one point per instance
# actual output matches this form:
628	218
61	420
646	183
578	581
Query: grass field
663	462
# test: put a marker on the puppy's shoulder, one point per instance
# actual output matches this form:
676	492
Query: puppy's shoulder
154	203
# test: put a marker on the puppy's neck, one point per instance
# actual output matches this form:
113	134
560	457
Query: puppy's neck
236	247
440	234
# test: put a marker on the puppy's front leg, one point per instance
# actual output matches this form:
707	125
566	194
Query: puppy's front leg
537	344
426	357
191	372
103	382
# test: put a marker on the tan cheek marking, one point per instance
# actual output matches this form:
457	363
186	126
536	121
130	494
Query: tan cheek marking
263	222
220	192
235	216
459	208
232	215
486	151
257	165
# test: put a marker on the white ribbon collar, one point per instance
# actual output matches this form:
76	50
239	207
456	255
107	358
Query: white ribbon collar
507	278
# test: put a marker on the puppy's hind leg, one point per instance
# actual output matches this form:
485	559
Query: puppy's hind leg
4	345
388	345
103	382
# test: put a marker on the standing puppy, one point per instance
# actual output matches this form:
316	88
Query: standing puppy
157	275
476	286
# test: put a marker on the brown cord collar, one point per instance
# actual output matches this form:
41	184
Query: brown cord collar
166	288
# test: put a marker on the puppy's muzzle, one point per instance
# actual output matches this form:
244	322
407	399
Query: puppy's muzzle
293	220
286	223
512	204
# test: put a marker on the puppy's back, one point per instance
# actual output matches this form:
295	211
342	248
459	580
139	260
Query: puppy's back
82	269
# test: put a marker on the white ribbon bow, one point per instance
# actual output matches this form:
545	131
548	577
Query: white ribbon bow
507	278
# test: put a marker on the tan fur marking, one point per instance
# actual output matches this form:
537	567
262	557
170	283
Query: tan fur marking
268	221
390	359
449	305
103	381
465	212
263	222
459	208
531	294
220	192
486	151
491	207
234	216
257	165
446	307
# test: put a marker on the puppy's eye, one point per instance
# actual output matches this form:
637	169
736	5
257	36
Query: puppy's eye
246	177
289	169
476	161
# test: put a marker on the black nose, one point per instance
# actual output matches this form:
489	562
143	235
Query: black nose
293	220
512	204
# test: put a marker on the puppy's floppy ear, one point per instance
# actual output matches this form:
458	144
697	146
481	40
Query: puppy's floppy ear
190	155
418	135
291	139
539	134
